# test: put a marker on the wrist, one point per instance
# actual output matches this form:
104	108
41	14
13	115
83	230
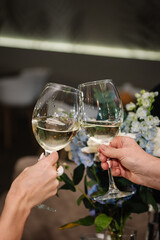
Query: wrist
16	205
151	172
14	216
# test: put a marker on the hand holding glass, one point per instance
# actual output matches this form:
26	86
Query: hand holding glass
102	118
56	117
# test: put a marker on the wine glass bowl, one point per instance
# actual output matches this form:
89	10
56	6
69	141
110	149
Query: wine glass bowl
102	118
102	110
56	116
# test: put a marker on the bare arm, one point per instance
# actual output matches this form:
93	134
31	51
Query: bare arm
34	185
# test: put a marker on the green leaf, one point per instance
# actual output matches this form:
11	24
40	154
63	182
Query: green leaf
117	225
85	185
87	203
78	174
123	182
86	221
102	222
68	187
80	199
66	166
91	183
91	173
68	181
69	225
136	206
148	198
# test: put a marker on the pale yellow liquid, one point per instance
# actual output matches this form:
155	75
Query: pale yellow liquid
101	132
54	134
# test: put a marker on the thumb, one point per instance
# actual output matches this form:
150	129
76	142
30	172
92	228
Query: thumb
52	158
110	152
118	142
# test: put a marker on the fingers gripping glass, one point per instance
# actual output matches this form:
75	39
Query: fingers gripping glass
56	117
102	118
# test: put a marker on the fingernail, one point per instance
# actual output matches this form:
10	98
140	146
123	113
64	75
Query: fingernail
41	156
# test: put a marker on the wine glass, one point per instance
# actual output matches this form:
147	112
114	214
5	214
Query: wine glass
102	118
56	118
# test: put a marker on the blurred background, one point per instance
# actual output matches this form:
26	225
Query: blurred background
69	42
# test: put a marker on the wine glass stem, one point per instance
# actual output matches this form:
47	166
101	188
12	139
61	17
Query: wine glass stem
41	205
46	153
111	179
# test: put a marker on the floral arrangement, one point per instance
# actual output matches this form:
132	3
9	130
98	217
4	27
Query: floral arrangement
112	214
140	122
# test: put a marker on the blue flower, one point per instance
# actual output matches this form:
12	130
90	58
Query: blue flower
86	159
149	147
149	134
92	212
78	142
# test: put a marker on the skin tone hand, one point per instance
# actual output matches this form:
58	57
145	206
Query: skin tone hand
130	161
33	186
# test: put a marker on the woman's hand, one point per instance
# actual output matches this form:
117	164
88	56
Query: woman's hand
33	186
129	160
38	182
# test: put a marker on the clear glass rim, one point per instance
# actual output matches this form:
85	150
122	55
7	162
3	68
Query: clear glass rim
95	82
63	87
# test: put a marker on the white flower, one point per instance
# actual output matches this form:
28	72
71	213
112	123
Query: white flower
135	127
90	149
152	121
156	121
146	103
145	95
156	94
149	134
144	126
152	95
126	128
131	116
141	113
130	106
68	149
137	95
93	144
149	120
142	142
70	155
149	147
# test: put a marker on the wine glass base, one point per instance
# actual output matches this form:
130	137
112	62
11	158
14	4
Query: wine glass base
45	207
113	194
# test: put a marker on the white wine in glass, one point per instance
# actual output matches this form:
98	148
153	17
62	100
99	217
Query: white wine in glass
56	117
103	132
53	134
102	118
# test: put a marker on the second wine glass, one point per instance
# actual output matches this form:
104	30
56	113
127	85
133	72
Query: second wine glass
102	119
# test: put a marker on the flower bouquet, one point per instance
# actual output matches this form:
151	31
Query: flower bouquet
112	214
